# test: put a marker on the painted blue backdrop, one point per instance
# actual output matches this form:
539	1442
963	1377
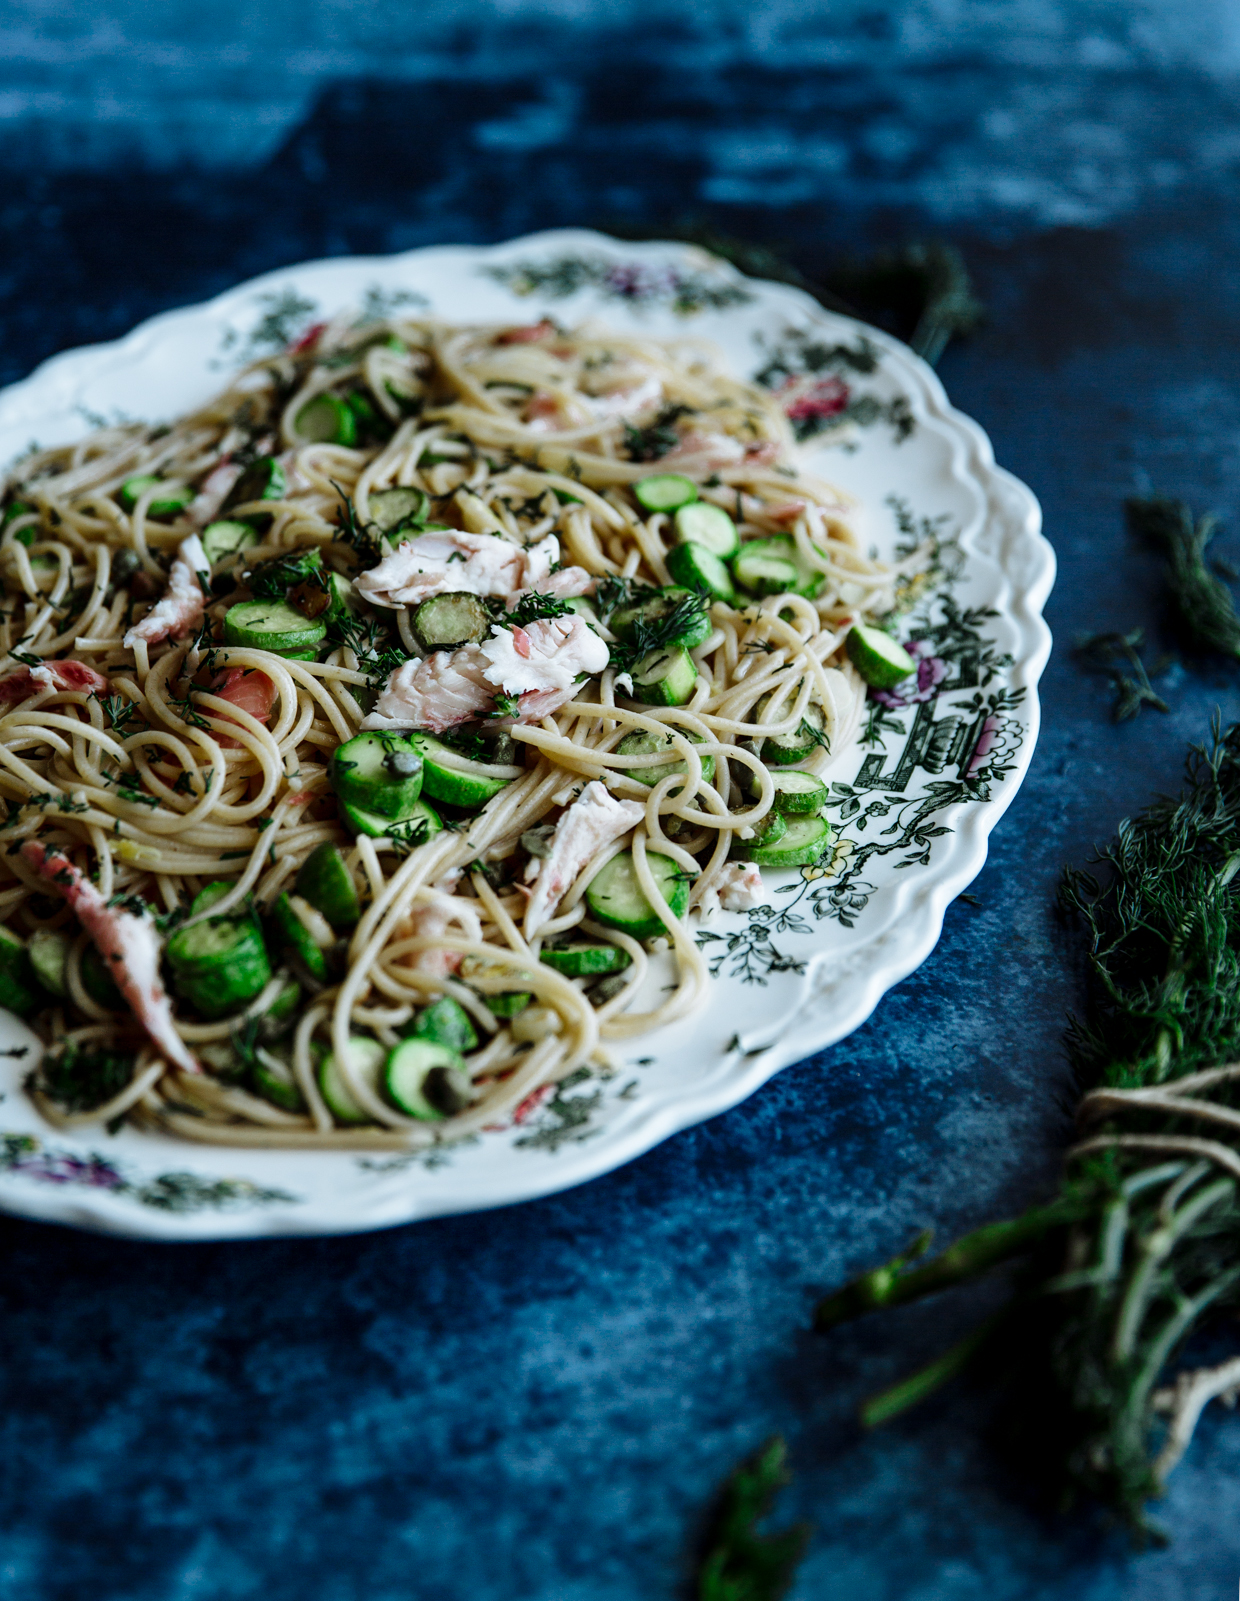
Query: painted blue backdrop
538	1403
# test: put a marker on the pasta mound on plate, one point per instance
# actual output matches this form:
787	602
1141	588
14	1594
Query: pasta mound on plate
369	731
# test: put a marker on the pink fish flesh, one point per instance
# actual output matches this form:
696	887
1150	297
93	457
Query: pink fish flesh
180	608
68	677
128	944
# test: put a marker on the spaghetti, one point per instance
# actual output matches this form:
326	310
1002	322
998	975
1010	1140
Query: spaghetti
200	617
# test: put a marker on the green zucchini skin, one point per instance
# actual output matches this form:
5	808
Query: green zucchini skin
582	960
379	772
696	567
640	743
426	1080
710	527
19	989
326	420
769	831
325	882
290	933
509	1003
272	580
802	845
796	793
616	899
219	965
452	778
49	957
445	1022
674	616
421	822
208	895
881	660
223	539
367	1058
664	677
785	750
757	568
279	1087
392	508
171	504
449	620
665	491
262	480
271	625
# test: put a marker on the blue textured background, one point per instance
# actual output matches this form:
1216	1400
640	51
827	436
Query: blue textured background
538	1403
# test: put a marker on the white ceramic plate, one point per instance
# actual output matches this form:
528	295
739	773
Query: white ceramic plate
915	805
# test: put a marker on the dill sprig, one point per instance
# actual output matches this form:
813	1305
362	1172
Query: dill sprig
1202	606
1142	1243
1118	656
656	439
741	1564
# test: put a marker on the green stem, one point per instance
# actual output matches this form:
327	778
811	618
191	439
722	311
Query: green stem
976	1253
889	1403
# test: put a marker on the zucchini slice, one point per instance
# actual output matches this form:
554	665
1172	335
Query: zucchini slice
271	625
293	933
326	420
445	1022
797	793
220	964
325	883
49	955
208	895
617	900
19	991
785	750
508	1003
709	526
758	568
641	743
225	538
882	661
272	580
581	959
262	480
762	572
665	677
367	1058
379	772
389	508
415	828
98	982
802	845
426	1080
696	567
447	621
769	831
673	616
455	779
165	503
274	1080
665	491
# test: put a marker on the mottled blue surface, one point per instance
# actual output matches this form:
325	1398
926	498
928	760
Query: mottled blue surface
538	1403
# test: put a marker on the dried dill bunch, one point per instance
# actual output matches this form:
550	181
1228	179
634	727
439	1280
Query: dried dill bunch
1142	1243
1202	606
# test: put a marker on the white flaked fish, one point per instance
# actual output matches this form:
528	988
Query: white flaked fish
739	889
594	820
539	664
180	607
128	944
447	559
